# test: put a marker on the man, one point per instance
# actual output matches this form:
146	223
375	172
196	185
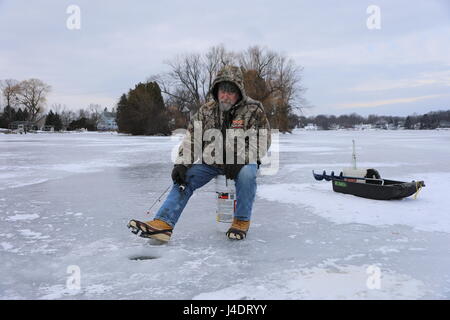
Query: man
230	110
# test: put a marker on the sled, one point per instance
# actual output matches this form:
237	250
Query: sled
371	188
367	183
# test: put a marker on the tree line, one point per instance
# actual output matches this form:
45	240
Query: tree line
62	119
59	117
270	77
430	120
167	100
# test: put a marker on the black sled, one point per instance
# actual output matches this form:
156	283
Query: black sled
371	186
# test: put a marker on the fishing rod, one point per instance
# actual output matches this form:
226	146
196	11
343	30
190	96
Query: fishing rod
181	187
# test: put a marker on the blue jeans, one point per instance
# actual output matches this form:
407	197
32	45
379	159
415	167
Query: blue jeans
200	174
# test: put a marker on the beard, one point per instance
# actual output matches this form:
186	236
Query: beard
224	106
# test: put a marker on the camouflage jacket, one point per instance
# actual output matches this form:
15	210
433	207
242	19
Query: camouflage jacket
208	129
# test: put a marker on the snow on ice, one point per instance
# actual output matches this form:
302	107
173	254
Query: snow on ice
430	212
65	200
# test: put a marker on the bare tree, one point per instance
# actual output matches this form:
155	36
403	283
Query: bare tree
10	90
281	75
33	95
269	77
183	82
67	116
95	110
276	81
191	75
57	107
259	59
286	82
213	61
82	113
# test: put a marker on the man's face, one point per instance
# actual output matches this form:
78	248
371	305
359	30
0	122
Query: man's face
228	95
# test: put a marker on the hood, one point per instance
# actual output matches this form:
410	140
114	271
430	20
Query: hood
232	74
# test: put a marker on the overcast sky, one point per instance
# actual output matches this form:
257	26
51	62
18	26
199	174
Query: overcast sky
401	68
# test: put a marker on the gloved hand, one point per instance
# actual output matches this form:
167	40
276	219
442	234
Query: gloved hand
179	174
232	170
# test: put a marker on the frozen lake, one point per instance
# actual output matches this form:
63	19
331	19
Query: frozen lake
65	200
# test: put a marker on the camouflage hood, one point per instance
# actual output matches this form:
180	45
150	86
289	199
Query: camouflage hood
232	74
247	117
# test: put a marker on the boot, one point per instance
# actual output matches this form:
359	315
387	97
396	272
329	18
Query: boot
155	229
238	229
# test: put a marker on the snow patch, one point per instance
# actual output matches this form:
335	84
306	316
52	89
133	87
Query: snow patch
6	235
289	148
353	256
386	250
57	292
343	282
86	167
33	235
8	247
19	217
425	213
319	167
97	289
17	184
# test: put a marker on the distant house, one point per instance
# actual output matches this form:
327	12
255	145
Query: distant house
334	127
382	124
310	126
107	122
391	126
444	124
22	126
363	126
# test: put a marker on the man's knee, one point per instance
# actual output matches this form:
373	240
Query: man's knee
198	175
248	173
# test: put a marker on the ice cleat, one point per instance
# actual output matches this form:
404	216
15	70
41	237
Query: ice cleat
154	229
238	229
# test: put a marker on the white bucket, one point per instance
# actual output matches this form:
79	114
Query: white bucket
357	173
226	202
